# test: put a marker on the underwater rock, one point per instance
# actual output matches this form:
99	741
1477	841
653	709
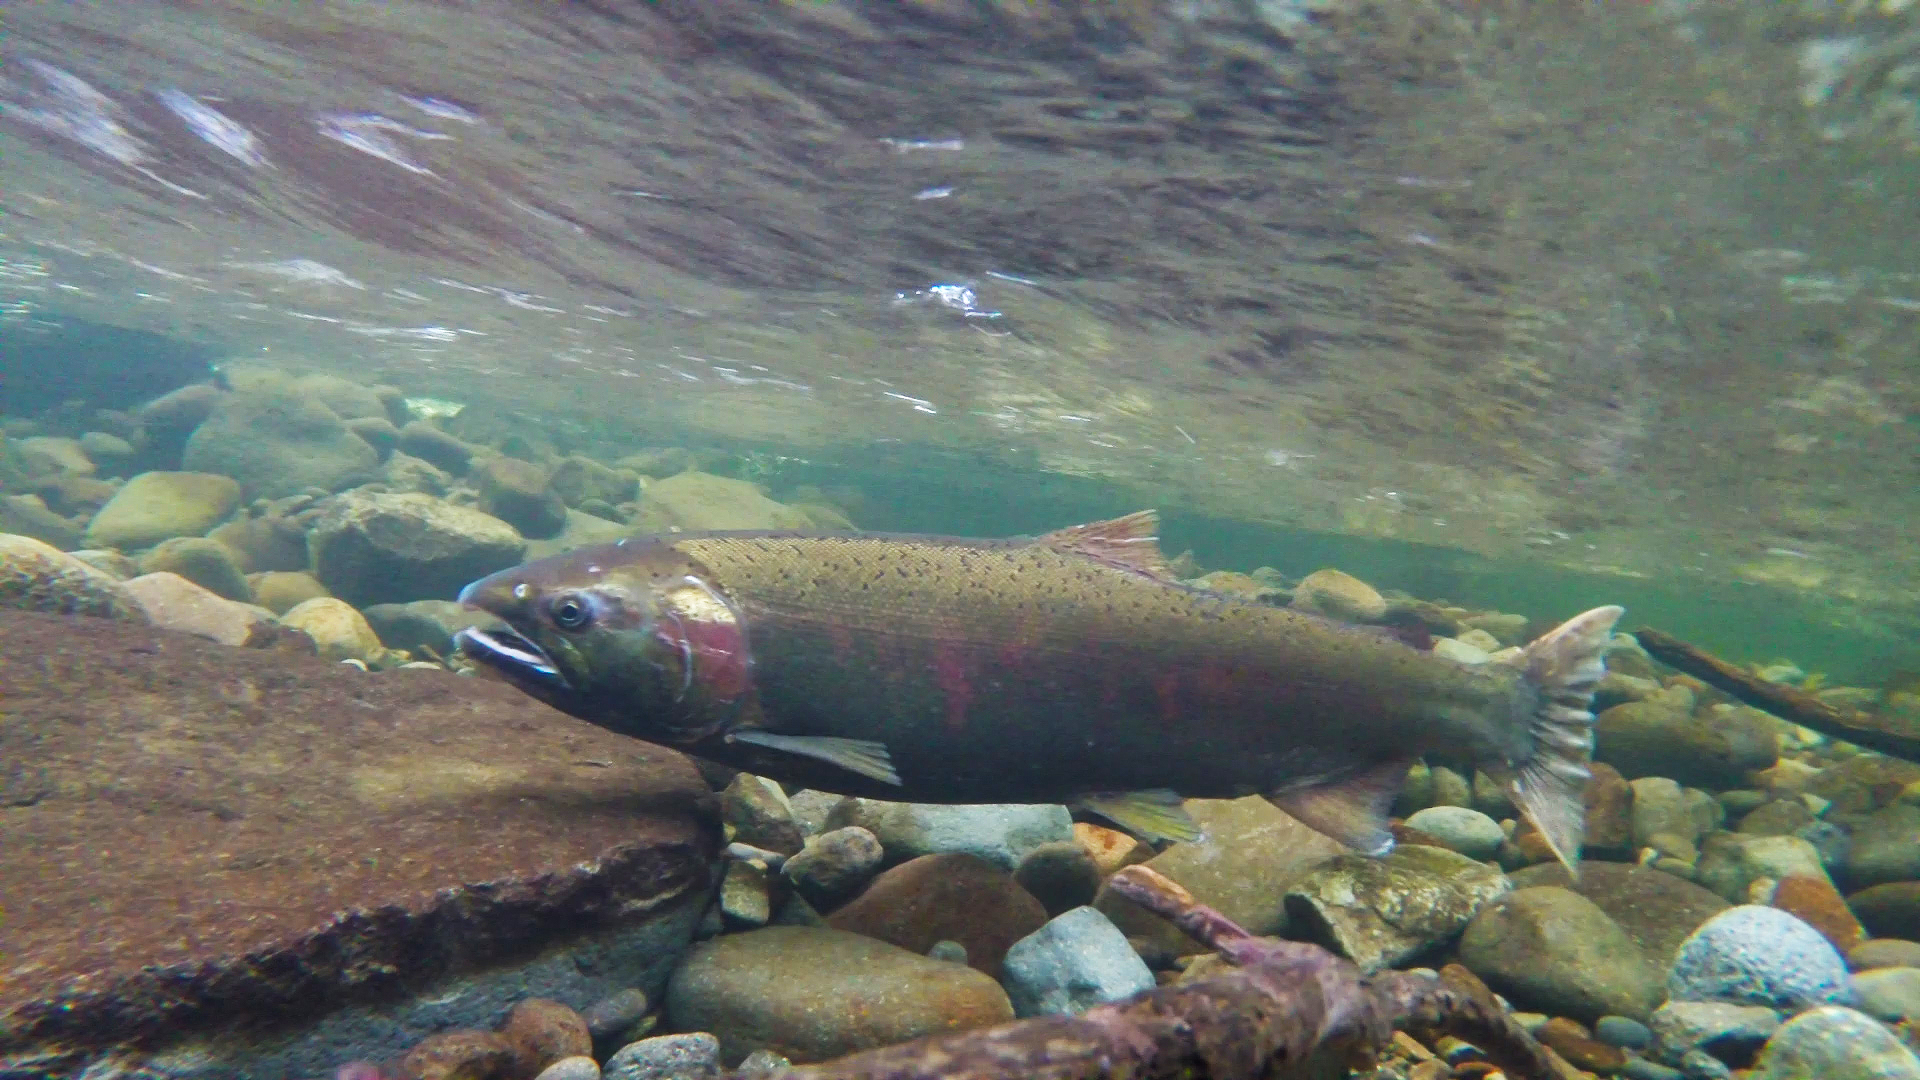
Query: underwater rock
616	1013
1061	875
44	454
1732	1032
1660	805
377	432
1571	1040
999	834
1552	949
1252	853
517	493
834	865
697	500
578	479
1712	749
280	590
694	1056
108	561
811	993
1889	993
580	530
581	1067
156	506
1382	912
1752	955
541	1032
758	812
371	548
465	1054
1079	959
1622	1031
518	852
1656	909
1835	1043
428	443
276	443
1339	595
269	537
207	563
1609	803
1110	849
1814	901
745	901
175	603
110	453
1886	846
1460	829
406	474
1889	910
421	623
1731	862
951	897
28	515
37	577
349	400
169	419
337	630
1884	952
1863	783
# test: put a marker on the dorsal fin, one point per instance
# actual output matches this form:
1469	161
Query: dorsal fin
1127	542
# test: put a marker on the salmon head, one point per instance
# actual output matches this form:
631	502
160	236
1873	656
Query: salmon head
632	636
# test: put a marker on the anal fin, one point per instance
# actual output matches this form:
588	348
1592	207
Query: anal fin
1350	806
862	756
1156	814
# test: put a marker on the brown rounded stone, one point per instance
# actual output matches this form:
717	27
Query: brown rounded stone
459	1055
1609	804
1571	1040
950	897
542	1032
1817	903
810	993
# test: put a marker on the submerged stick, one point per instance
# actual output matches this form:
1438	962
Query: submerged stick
1789	703
1284	1002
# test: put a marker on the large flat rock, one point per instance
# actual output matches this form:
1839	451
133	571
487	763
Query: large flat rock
198	840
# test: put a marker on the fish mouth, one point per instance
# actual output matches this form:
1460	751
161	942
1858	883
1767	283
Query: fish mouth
513	656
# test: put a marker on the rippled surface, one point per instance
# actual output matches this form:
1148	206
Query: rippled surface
1626	287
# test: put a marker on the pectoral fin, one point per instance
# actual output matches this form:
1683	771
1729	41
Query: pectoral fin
862	756
1352	806
1150	815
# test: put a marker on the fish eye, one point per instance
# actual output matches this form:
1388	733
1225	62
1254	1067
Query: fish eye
569	612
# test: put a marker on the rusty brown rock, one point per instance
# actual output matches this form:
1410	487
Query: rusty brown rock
1818	904
1609	804
459	1055
1571	1040
950	897
254	838
542	1032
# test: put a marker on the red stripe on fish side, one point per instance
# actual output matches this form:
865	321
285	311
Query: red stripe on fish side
950	674
1166	687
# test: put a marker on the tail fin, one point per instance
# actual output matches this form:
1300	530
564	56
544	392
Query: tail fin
1563	667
